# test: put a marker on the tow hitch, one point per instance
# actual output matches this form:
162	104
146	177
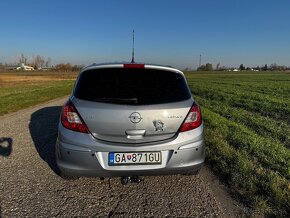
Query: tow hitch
131	179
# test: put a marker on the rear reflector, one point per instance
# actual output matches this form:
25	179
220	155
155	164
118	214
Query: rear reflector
133	65
193	119
71	119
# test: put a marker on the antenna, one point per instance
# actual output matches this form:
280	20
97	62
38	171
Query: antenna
133	61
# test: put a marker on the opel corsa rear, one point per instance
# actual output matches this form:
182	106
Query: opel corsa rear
130	120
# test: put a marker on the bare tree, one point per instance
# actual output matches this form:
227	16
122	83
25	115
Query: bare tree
218	66
39	61
32	63
22	59
42	61
48	62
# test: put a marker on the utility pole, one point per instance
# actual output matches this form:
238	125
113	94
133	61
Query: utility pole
199	60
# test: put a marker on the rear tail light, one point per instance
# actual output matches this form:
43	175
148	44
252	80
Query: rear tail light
133	65
193	119
71	119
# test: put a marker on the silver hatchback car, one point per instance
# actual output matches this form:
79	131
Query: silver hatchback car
130	120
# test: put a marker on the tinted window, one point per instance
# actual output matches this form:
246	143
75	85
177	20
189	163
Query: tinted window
131	86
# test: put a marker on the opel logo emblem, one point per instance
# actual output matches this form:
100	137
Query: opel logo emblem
135	117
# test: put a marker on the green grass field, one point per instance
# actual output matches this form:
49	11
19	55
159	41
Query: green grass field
247	119
21	89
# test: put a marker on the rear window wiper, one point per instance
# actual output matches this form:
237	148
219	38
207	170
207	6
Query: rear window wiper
117	100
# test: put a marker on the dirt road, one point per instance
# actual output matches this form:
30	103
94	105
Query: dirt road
29	185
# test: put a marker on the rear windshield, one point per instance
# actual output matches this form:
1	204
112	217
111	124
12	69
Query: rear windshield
131	86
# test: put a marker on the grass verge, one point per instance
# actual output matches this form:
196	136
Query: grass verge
20	90
247	121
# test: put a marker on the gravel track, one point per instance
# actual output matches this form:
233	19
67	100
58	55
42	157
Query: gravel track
29	185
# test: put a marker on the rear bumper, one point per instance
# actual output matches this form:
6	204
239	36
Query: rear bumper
89	157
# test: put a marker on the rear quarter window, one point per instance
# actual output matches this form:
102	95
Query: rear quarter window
131	86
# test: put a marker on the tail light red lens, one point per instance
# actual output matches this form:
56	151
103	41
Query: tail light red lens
71	119
193	119
133	65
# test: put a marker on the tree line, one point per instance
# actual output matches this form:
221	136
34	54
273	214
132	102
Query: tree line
39	62
36	62
272	67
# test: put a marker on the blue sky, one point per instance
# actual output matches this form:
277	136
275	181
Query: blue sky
252	32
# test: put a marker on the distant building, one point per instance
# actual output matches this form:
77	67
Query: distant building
24	67
46	68
234	69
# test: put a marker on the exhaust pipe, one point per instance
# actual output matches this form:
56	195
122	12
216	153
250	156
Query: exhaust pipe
132	179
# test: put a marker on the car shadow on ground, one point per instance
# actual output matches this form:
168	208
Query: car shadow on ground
5	146
43	129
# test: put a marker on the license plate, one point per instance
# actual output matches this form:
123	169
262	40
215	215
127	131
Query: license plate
129	158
